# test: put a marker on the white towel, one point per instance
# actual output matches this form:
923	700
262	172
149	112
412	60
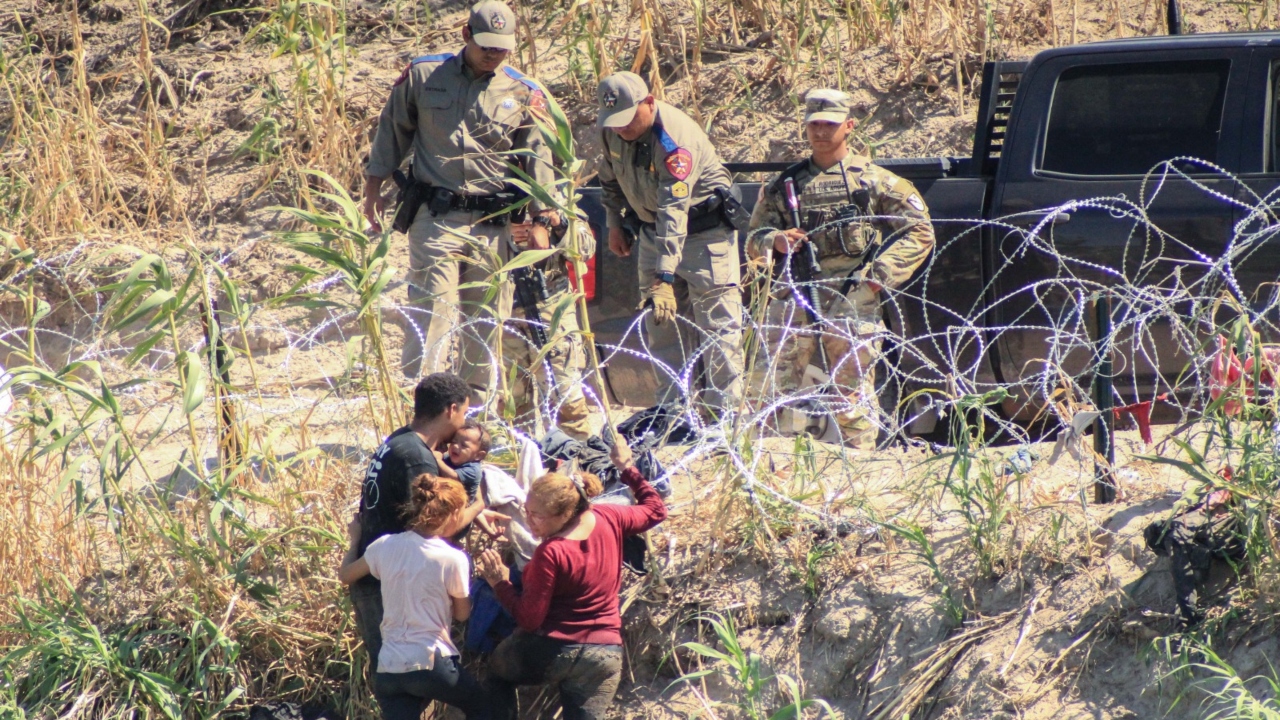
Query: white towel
507	495
500	488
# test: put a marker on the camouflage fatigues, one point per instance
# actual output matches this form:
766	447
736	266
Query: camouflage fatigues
659	177
458	125
853	337
566	361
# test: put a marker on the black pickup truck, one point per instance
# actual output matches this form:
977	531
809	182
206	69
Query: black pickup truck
1073	124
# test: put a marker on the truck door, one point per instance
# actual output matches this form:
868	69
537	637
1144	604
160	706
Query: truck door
1253	267
1112	117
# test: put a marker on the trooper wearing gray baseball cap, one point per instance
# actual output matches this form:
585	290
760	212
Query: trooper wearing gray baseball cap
466	118
493	25
664	188
619	95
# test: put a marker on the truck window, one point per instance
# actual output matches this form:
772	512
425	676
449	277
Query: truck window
1124	119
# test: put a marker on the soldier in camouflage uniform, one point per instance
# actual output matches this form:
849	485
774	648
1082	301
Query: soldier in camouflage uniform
660	175
835	182
567	359
462	116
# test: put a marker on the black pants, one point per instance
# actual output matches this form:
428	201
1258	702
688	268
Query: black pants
587	676
366	602
403	696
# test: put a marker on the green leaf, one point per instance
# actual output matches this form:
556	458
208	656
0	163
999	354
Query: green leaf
194	380
535	189
1194	471
689	677
143	348
566	304
153	301
41	311
706	651
527	258
72	469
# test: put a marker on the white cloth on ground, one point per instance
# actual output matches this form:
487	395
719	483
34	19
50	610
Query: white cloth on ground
507	495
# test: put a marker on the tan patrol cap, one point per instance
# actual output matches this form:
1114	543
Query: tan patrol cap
493	25
618	95
827	105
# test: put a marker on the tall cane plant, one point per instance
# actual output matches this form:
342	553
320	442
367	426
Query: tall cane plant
358	260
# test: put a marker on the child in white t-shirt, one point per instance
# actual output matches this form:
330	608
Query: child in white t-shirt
424	587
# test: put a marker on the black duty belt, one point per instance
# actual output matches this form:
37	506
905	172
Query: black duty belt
483	203
438	200
705	215
710	213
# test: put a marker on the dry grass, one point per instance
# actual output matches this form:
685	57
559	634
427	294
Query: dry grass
124	150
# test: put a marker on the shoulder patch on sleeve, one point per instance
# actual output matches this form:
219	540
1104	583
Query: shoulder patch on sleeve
437	58
916	202
680	163
525	80
680	189
537	96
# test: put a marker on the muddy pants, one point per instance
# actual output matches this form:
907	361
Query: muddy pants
707	277
566	362
851	336
586	675
403	696
444	252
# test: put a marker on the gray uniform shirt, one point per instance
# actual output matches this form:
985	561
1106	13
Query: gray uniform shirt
659	176
460	126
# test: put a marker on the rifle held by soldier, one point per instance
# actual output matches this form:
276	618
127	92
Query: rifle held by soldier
805	271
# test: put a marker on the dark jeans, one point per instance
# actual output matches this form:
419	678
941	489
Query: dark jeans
586	675
366	601
403	696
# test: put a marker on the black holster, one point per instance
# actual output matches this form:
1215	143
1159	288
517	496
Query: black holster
412	195
731	210
632	225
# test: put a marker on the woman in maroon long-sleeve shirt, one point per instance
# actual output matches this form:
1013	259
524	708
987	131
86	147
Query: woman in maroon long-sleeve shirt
570	629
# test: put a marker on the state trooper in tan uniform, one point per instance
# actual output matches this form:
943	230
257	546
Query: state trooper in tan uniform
462	115
567	360
835	188
660	176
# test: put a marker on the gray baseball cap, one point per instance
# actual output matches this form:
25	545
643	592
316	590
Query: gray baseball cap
618	96
827	106
493	25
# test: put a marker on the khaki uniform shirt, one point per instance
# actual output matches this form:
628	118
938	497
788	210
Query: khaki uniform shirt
823	194
460	125
659	176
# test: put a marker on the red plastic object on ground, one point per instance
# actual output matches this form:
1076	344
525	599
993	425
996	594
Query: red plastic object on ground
1227	371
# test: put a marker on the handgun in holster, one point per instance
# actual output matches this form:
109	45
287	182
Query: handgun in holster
412	195
631	225
731	208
